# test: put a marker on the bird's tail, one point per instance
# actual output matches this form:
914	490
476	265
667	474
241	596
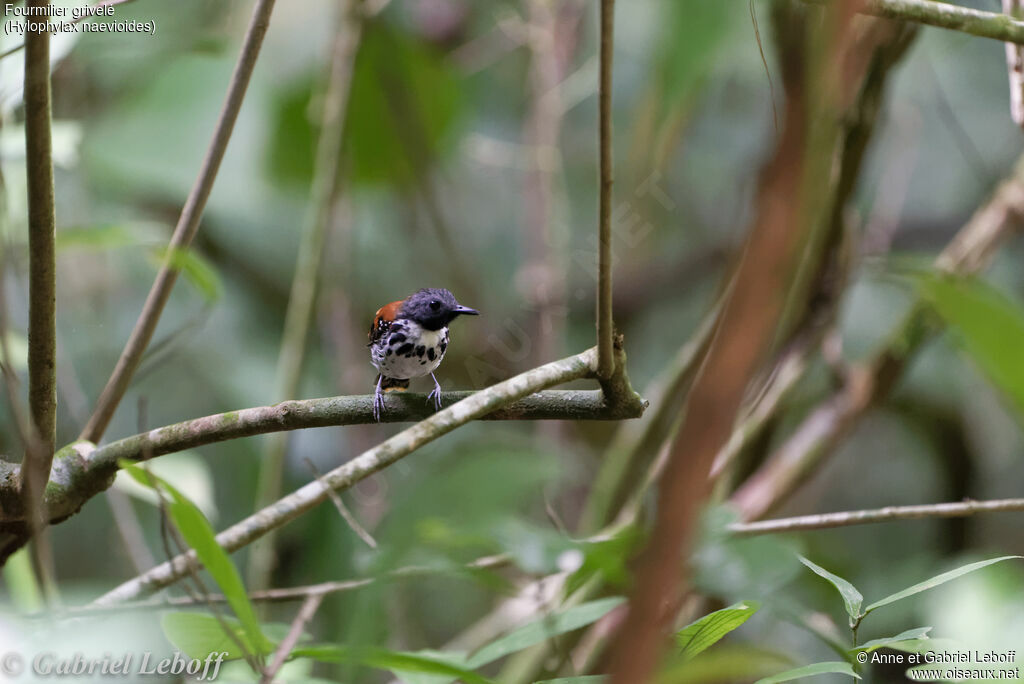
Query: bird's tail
387	383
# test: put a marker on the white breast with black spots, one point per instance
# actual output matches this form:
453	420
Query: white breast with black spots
409	351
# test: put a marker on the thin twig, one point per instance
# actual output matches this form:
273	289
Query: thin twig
305	614
605	353
821	521
363	466
785	375
346	514
184	232
944	15
284	595
319	217
128	527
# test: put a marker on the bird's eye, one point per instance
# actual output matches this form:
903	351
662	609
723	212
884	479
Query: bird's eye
435	305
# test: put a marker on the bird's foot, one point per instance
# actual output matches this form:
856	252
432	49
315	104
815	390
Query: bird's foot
378	401
435	394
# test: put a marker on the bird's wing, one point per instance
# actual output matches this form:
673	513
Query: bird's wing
382	320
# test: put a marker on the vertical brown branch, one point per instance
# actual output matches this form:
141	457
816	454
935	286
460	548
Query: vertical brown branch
764	276
605	353
42	329
745	333
185	231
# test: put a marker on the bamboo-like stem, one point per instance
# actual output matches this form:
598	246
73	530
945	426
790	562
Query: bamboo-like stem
319	217
605	353
185	231
366	464
822	521
944	15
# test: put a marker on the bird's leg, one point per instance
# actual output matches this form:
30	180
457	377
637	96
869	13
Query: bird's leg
436	394
378	399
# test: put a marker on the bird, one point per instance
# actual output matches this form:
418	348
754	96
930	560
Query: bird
408	339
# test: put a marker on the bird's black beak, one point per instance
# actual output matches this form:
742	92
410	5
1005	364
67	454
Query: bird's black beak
466	311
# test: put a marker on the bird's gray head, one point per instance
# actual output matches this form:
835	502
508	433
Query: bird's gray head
433	308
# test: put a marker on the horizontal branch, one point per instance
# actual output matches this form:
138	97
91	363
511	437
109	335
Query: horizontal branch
821	521
401	407
82	470
366	464
286	594
945	15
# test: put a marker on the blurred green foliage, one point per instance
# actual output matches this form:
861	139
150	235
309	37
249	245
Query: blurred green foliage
440	102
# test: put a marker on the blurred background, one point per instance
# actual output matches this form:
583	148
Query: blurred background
470	162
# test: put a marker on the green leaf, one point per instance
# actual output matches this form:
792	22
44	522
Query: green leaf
21	582
185	470
607	557
108	236
702	633
195	268
810	671
852	598
544	628
990	328
692	35
916	634
936	581
196	530
535	632
198	634
17	349
383	659
585	679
